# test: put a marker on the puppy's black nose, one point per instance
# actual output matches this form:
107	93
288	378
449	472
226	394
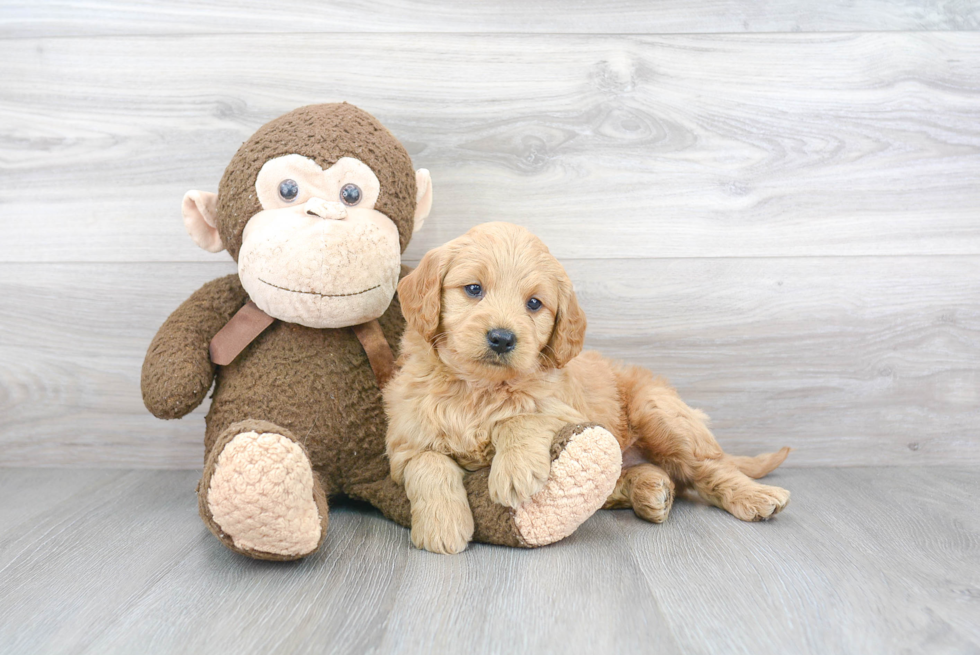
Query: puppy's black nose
501	341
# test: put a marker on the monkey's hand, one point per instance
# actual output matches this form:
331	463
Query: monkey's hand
177	371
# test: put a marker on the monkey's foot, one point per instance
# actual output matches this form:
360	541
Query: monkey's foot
587	463
260	495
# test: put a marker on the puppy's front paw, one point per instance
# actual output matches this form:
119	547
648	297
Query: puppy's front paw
443	527
516	476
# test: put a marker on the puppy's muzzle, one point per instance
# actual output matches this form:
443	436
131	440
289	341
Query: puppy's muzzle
501	341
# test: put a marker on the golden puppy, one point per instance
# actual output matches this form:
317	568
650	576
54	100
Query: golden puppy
491	369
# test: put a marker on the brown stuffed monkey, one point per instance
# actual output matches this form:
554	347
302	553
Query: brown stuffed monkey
317	208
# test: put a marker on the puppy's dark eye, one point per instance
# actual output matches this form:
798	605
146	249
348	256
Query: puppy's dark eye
534	304
350	194
288	190
473	290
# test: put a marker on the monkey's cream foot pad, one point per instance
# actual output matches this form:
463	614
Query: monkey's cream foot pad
581	479
261	495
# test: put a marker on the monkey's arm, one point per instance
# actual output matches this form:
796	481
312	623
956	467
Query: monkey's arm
177	371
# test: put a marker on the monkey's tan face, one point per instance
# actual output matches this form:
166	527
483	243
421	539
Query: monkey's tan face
318	253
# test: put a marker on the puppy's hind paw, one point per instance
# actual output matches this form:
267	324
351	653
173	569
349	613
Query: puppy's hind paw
652	499
760	503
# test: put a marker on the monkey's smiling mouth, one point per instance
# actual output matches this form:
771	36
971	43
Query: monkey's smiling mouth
322	295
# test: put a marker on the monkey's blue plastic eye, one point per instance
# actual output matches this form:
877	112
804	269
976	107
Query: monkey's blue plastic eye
473	290
534	304
288	190
350	194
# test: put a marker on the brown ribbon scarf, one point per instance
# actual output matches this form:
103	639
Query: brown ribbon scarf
250	321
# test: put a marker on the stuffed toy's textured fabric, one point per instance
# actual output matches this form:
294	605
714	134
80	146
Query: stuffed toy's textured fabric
297	416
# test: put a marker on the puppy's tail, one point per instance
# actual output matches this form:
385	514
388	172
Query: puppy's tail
760	465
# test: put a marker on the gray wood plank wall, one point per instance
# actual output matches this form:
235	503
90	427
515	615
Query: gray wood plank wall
776	205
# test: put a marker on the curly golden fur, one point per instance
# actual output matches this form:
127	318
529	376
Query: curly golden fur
459	403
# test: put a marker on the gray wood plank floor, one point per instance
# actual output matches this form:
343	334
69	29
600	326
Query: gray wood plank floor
865	560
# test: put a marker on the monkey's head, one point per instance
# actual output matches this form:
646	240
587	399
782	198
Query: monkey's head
316	208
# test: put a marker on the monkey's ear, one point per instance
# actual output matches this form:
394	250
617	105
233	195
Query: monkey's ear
420	294
200	209
423	200
568	336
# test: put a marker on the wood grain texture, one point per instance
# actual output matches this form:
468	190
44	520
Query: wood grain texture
863	560
852	566
113	17
606	146
851	361
774	204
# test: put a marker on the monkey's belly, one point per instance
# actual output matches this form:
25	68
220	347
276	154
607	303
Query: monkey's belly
318	384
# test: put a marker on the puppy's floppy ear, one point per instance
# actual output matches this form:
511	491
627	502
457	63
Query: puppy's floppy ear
420	294
568	335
